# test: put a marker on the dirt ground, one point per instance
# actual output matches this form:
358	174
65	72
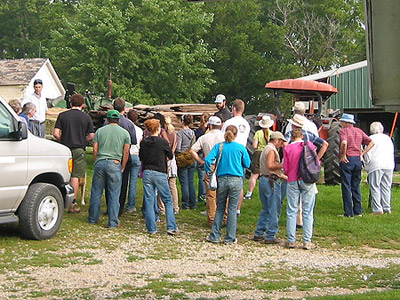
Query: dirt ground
130	266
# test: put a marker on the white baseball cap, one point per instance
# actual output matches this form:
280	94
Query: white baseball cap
220	98
214	120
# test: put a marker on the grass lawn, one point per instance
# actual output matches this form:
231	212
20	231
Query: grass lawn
77	244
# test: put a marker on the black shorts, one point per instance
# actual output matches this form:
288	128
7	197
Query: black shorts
255	162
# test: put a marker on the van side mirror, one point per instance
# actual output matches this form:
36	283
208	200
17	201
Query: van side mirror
22	130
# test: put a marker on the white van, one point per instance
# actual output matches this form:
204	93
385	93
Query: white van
34	178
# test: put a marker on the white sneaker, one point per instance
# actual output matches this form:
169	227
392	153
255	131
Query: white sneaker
204	213
247	196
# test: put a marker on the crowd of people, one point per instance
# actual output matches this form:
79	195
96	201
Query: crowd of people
123	152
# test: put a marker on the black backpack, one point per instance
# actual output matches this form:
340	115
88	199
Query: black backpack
309	167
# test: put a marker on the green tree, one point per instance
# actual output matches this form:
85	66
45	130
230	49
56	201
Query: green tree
154	49
248	53
321	34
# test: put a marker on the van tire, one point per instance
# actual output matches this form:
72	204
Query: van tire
41	211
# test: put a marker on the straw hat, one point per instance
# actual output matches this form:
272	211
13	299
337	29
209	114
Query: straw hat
266	122
297	120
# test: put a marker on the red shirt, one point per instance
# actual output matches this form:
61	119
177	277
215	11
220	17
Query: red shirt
355	137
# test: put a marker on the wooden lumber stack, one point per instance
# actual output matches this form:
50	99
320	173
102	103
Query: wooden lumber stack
175	112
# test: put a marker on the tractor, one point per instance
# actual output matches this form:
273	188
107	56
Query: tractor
315	95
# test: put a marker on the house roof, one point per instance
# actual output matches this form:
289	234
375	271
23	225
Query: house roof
19	71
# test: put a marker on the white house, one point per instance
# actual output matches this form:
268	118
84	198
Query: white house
17	76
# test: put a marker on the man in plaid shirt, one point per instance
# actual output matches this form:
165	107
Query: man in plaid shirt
351	139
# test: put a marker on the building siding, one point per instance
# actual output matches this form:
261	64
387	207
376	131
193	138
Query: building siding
353	90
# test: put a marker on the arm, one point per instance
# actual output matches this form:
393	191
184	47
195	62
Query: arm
174	144
179	143
95	150
255	144
343	150
271	163
246	161
209	160
125	155
370	145
196	157
90	137
57	134
322	150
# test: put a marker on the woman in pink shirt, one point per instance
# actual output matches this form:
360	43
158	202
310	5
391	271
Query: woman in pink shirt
295	188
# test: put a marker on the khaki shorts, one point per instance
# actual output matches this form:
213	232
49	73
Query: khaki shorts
79	158
255	162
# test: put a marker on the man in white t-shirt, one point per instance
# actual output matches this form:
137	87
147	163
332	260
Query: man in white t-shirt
243	132
239	122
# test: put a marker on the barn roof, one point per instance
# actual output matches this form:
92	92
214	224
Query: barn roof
19	71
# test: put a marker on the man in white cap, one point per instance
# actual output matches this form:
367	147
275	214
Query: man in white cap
351	139
308	125
206	143
223	112
271	193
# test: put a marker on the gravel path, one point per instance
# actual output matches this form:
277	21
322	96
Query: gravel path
140	259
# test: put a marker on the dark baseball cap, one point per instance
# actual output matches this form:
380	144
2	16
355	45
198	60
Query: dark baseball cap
38	81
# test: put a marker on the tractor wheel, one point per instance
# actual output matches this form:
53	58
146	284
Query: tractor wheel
332	160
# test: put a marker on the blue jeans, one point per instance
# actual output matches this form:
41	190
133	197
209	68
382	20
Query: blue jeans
153	180
134	174
350	175
271	200
201	187
186	179
107	173
228	187
307	191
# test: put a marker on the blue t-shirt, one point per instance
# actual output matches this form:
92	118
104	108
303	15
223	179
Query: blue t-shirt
234	159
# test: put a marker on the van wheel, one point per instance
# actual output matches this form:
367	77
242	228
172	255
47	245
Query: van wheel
41	211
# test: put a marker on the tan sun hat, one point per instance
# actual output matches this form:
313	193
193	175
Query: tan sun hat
277	135
266	122
297	120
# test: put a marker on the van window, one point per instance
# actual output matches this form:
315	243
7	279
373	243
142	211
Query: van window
7	124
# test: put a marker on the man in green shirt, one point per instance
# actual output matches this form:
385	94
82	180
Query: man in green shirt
110	153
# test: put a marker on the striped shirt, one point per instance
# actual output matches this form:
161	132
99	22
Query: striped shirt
354	137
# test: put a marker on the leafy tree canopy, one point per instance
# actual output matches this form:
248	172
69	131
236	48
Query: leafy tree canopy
172	51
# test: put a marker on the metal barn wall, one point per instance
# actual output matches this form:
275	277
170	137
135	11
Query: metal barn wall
353	90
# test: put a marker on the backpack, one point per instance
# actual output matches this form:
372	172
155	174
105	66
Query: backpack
309	167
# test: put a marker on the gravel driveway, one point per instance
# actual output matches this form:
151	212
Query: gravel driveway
130	265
